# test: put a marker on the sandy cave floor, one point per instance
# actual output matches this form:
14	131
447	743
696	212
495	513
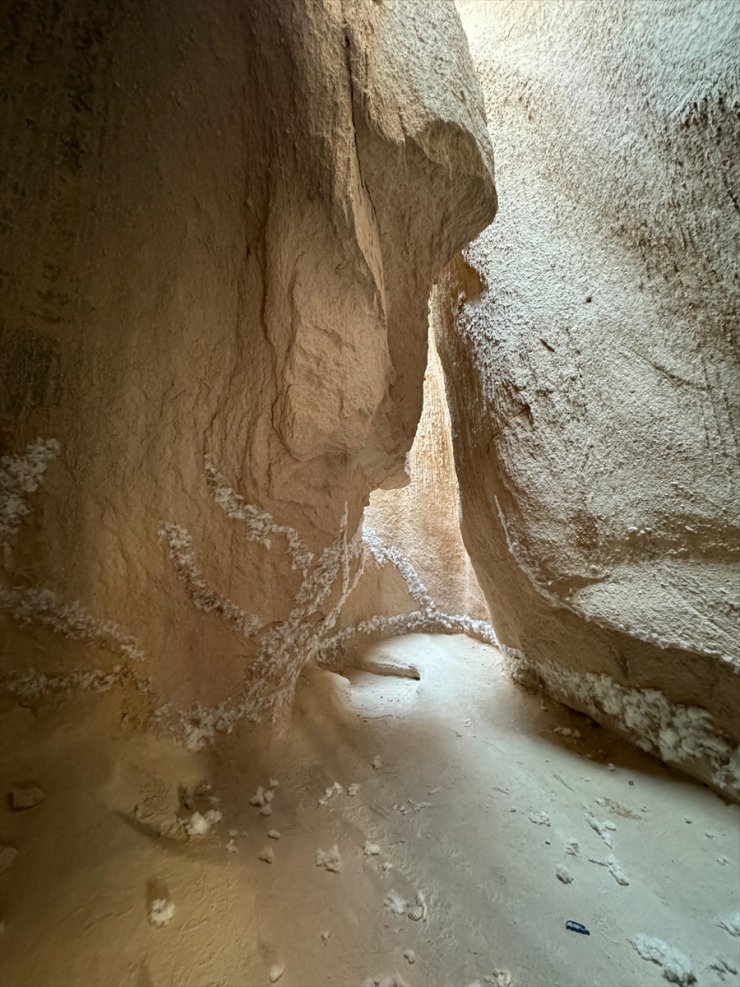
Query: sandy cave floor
474	803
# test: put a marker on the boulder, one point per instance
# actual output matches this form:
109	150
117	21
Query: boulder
587	339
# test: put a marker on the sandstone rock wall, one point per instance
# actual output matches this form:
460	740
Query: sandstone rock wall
422	518
220	225
592	367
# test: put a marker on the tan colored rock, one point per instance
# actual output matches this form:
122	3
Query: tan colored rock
422	518
223	221
593	378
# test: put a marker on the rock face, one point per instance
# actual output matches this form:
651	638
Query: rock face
221	225
591	368
422	518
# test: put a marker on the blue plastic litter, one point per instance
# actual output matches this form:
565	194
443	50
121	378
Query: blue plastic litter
572	926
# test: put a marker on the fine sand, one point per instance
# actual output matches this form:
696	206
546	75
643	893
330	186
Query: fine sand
467	802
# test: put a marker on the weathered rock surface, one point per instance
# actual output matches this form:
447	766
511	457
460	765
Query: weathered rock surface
220	228
422	518
25	796
592	369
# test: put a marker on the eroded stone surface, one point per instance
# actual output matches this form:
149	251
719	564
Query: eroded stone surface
591	366
222	224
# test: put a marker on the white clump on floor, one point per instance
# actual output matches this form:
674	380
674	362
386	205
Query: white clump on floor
329	859
389	980
266	855
563	874
677	967
353	790
500	978
395	903
418	912
276	972
231	847
326	936
377	763
410	956
539	818
273	834
573	848
273	783
330	793
370	849
161	912
614	867
266	810
264	796
568	732
200	823
604	829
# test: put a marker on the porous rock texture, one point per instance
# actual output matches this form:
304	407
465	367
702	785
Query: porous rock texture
588	345
220	228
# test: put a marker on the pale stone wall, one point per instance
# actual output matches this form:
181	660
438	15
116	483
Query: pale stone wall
591	358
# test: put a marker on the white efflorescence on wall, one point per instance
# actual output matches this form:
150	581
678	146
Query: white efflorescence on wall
287	646
283	648
259	525
674	732
33	683
428	618
37	605
182	553
20	477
